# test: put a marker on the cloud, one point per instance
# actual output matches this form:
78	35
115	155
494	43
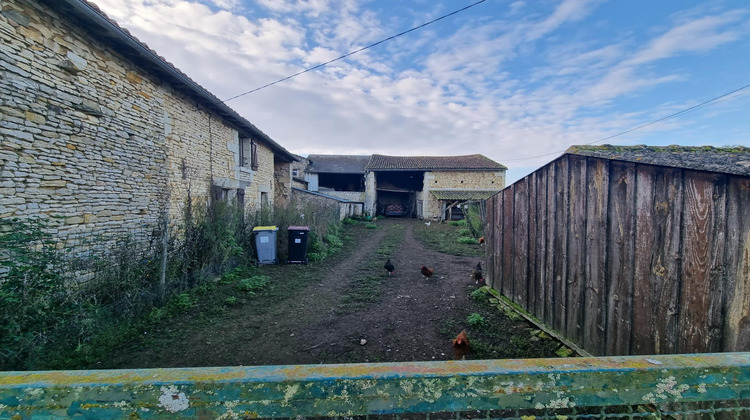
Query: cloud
693	36
497	82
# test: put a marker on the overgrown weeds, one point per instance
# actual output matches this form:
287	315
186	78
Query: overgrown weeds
446	238
63	309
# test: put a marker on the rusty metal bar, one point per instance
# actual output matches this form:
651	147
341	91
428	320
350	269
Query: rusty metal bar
374	389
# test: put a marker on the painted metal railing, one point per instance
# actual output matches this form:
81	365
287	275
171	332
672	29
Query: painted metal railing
704	385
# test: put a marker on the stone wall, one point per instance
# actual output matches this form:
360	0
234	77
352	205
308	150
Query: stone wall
88	137
456	180
347	195
283	183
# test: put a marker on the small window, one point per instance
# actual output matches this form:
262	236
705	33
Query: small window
245	152
295	172
254	156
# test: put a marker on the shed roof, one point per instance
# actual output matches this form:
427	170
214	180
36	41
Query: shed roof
91	19
337	164
464	194
426	163
731	160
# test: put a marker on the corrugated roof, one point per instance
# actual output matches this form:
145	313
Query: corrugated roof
337	164
731	160
426	163
463	194
92	19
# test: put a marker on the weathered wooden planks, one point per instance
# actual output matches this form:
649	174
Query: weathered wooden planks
702	241
508	248
559	241
531	275
620	252
657	263
594	297
576	244
521	242
736	334
549	248
626	258
540	248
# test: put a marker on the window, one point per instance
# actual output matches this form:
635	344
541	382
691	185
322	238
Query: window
245	152
295	172
254	157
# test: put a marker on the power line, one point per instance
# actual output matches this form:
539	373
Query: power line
354	52
684	111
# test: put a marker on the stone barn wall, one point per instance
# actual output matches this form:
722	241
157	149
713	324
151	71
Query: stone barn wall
91	139
457	180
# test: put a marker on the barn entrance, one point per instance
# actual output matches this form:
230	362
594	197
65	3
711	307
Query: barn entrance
397	192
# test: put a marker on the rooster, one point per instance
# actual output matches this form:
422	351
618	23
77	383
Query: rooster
389	266
481	240
461	346
427	272
477	274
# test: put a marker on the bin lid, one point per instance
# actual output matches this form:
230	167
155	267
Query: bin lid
298	228
257	228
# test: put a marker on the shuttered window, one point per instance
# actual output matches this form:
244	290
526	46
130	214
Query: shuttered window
254	156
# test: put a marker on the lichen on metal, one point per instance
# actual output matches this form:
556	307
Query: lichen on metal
387	388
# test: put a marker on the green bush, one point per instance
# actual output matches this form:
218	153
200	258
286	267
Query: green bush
349	221
475	320
253	284
371	226
457	223
467	240
464	232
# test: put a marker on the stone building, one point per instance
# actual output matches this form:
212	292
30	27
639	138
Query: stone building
429	187
103	134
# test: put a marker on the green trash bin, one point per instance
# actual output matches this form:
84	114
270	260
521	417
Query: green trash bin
265	244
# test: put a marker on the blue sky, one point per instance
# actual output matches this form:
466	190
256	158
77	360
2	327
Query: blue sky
517	81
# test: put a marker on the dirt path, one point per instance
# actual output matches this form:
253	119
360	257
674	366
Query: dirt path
301	320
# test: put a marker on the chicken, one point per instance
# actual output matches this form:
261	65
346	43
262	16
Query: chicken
461	346
477	274
428	223
389	266
427	272
481	240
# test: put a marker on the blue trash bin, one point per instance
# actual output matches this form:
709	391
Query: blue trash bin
265	244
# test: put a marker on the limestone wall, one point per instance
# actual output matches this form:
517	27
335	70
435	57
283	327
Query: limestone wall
94	141
455	180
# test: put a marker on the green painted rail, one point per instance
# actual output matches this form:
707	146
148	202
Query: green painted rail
544	385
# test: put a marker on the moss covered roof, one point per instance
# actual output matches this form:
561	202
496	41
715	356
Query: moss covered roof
731	160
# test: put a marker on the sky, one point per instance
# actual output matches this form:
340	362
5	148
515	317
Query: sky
516	81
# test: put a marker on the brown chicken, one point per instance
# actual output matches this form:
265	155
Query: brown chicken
481	240
461	346
427	272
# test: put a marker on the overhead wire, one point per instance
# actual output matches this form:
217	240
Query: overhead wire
283	79
670	116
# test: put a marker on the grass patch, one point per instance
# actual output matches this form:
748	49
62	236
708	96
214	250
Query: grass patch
447	239
371	226
367	288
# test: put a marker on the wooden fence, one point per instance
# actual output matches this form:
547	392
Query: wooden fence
625	258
